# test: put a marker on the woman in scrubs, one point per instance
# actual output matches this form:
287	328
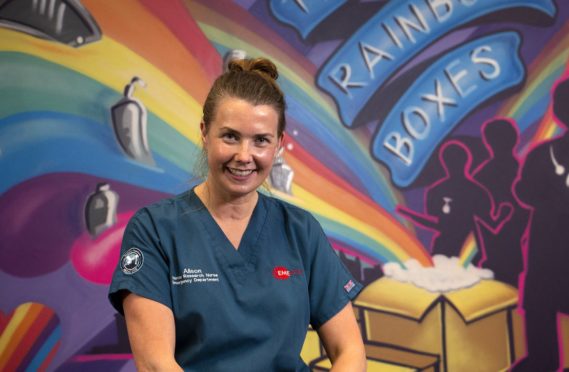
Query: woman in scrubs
223	277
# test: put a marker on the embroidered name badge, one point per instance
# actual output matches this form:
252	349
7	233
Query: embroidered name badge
192	276
132	261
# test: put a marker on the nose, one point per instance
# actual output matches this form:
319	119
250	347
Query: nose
243	153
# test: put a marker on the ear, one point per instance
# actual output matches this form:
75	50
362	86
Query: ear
203	131
280	146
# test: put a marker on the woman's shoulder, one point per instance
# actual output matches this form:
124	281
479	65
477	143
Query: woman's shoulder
291	215
285	206
168	208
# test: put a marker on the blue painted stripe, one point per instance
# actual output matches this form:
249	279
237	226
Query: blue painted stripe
373	182
38	143
355	239
47	347
66	91
527	115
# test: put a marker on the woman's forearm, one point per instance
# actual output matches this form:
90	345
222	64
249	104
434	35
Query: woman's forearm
350	361
151	333
343	341
155	365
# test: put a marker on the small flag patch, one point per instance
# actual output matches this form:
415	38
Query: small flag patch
349	286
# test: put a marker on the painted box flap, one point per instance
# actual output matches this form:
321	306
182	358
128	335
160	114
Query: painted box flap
405	299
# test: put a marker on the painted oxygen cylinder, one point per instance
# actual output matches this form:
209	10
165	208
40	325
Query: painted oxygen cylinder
101	209
130	122
282	174
232	55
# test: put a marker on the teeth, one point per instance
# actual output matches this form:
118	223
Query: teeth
239	172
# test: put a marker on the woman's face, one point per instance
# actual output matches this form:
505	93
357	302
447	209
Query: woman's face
241	144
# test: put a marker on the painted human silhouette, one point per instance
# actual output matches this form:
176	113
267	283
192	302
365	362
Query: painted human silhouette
456	204
503	250
544	186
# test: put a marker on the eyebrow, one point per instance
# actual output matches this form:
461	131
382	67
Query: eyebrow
231	130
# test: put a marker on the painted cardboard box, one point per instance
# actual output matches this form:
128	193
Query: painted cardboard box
379	358
386	359
472	329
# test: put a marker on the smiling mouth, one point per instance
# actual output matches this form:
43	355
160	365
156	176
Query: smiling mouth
240	172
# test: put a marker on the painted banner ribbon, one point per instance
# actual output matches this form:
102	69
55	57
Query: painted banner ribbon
391	37
438	100
304	15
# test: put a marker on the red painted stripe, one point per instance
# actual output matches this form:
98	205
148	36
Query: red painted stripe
31	338
49	357
351	251
21	330
133	26
47	332
322	182
177	18
317	167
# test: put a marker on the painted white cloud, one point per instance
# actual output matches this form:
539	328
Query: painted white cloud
446	275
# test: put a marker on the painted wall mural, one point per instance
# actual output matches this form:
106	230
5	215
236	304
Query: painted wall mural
428	137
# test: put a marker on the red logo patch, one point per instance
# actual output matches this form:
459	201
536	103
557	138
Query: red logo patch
282	273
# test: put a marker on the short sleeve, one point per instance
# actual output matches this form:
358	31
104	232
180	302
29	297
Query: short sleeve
330	285
143	265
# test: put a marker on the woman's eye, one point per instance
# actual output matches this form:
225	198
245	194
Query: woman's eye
262	140
229	136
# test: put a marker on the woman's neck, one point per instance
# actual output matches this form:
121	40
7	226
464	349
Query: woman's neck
226	207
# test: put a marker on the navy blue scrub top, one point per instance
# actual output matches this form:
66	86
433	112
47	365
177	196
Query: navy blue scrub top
240	310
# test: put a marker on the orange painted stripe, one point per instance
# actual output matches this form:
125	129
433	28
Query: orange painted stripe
22	328
35	330
351	201
315	166
544	125
131	24
178	19
49	357
553	48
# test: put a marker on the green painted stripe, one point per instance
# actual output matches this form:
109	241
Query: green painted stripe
28	83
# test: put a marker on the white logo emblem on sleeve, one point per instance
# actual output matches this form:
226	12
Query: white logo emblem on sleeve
132	261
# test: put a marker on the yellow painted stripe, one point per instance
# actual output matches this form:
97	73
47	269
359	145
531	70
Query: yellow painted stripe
537	80
315	205
220	37
536	72
114	65
7	336
551	130
468	249
230	33
21	331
